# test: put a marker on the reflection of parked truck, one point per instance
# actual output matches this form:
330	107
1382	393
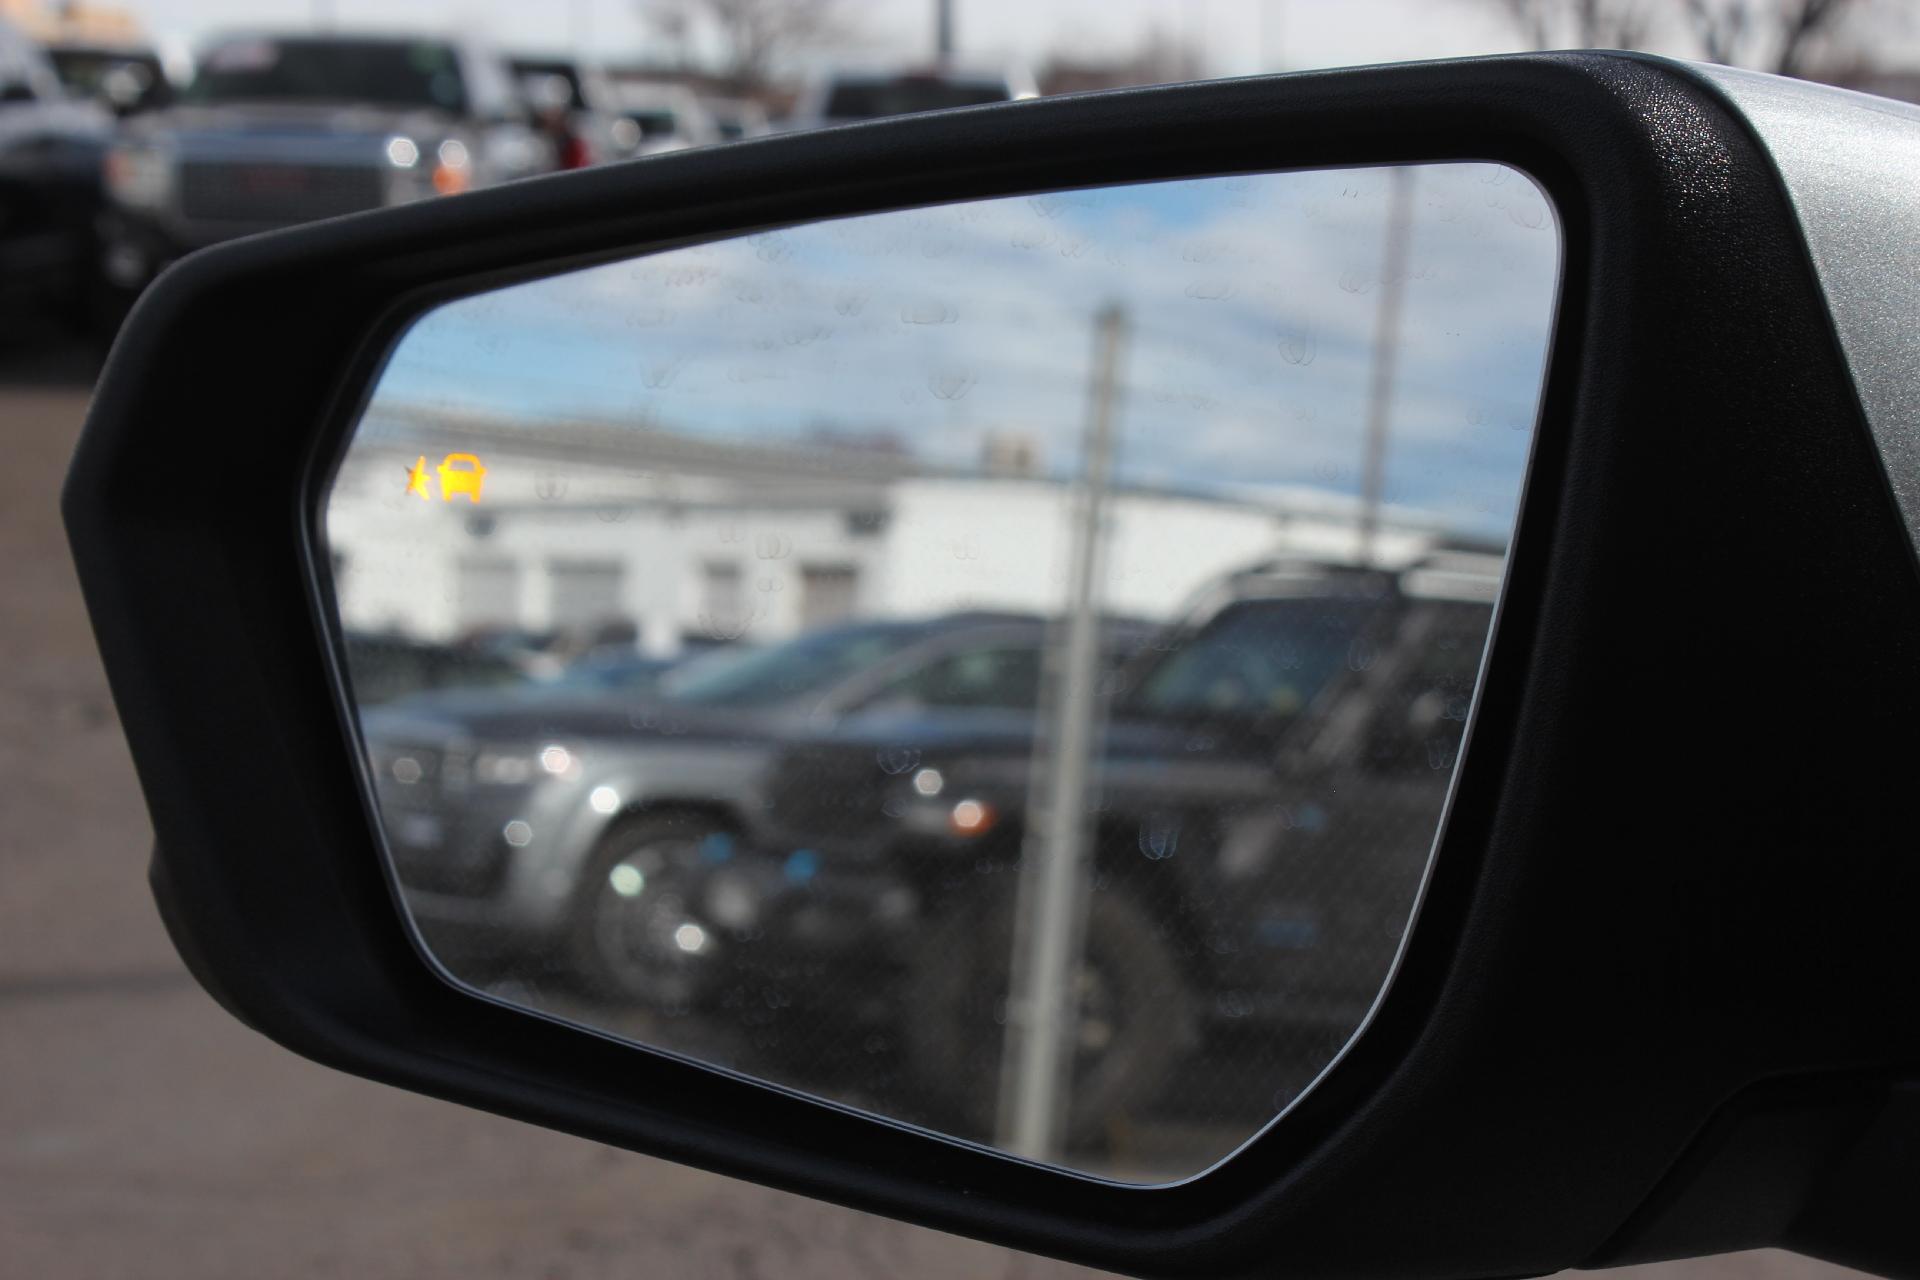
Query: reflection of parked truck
50	148
1271	780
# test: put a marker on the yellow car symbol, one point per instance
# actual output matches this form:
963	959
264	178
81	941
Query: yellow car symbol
467	480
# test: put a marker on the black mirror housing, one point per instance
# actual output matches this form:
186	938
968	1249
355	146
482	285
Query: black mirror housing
1657	998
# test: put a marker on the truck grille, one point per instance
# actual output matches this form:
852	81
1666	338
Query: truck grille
266	192
828	795
436	846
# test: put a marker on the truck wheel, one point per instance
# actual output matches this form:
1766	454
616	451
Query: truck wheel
636	936
1136	1016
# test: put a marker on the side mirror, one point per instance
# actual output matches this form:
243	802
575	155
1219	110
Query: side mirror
1616	350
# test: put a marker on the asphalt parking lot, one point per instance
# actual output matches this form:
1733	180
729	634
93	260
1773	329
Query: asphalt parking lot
144	1133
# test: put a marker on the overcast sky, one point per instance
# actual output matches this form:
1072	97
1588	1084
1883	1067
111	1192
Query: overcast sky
1238	36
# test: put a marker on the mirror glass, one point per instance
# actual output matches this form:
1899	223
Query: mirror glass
997	666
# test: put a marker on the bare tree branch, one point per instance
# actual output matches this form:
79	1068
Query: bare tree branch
756	36
1805	21
1581	24
1774	35
1531	17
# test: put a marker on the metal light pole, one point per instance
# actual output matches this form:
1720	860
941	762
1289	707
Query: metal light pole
943	29
1043	1007
1386	350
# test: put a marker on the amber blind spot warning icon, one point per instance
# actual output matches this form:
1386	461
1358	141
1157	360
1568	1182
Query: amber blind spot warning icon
460	474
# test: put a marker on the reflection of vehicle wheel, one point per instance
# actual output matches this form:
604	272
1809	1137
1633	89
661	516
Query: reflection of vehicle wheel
1135	1018
636	935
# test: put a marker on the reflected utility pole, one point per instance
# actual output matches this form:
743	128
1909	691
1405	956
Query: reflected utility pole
1043	1006
1386	351
943	29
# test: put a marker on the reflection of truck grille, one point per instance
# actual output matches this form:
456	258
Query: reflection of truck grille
827	795
435	847
463	867
277	193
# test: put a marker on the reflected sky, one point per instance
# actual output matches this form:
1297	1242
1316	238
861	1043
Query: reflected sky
1252	303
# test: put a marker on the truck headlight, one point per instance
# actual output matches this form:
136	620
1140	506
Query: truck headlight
402	152
518	765
452	168
138	176
422	169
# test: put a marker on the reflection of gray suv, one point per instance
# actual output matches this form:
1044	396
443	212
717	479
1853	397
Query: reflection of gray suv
282	129
535	816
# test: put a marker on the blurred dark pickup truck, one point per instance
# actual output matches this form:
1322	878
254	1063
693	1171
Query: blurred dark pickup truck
276	130
50	148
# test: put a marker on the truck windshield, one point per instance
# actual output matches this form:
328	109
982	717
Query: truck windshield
1259	659
799	668
395	73
860	99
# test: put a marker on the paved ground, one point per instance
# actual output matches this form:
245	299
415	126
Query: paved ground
145	1134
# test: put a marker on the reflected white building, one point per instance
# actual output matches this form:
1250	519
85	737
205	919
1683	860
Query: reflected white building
591	528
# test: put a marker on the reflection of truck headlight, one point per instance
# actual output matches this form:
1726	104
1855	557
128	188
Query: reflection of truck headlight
515	766
453	168
402	153
138	176
971	818
421	169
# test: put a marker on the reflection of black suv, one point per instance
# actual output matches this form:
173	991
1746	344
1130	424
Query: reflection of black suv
1271	779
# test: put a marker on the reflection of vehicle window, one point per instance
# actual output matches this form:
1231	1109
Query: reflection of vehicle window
531	71
421	73
809	665
626	675
655	124
1008	678
1423	710
385	668
1258	658
126	79
859	99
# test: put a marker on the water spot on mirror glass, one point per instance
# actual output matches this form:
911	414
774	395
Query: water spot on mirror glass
1299	344
1217	289
951	386
928	313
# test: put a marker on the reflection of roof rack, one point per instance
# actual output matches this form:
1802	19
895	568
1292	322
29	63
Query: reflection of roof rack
1451	574
1466	571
